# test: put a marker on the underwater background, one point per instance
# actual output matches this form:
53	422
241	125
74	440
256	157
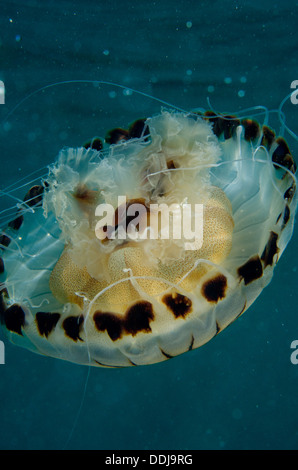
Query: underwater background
239	391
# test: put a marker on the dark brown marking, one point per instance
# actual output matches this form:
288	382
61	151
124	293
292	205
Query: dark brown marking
46	322
138	129
16	223
216	121
214	289
191	344
283	147
251	129
95	143
282	155
168	356
290	193
218	328
180	305
268	137
228	124
106	365
225	125
270	250
1	266
4	240
171	165
83	194
34	196
217	126
14	318
286	216
72	327
242	311
138	317
116	135
109	322
4	297
132	363
251	270
3	301
208	115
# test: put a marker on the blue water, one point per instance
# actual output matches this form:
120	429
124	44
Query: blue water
240	390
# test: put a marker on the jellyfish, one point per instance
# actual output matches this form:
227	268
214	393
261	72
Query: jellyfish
146	244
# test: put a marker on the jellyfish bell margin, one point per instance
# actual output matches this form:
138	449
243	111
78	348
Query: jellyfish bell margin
115	302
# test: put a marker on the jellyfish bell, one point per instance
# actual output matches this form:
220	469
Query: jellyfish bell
134	289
